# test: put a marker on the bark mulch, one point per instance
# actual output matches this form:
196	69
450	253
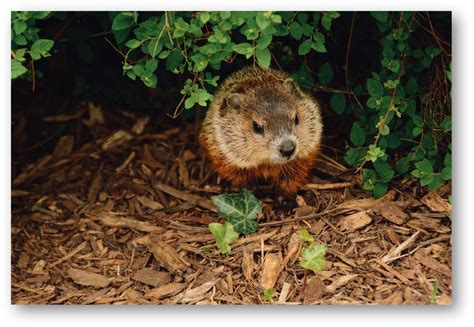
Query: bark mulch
121	218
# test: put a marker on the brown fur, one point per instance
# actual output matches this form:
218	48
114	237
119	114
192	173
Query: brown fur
238	167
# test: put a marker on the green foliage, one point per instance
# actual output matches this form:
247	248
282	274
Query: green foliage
305	236
268	294
400	116
240	210
26	44
224	234
434	291
313	257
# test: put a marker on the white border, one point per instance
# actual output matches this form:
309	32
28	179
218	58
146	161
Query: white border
460	313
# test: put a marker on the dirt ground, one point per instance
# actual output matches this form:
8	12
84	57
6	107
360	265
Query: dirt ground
120	217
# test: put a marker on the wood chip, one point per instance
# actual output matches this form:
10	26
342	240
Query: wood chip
314	290
355	221
340	282
391	212
87	278
164	291
140	125
248	265
95	116
272	266
285	290
149	203
112	219
432	263
436	203
116	139
152	277
394	253
200	201
195	294
63	147
165	255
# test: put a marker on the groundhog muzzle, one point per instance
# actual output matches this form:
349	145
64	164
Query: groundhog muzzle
261	128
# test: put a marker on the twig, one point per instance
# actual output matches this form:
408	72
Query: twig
395	251
33	77
328	186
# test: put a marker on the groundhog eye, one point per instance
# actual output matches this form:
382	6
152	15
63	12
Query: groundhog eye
257	128
297	120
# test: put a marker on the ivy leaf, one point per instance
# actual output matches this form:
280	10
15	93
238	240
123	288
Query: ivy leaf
240	210
338	103
313	257
224	235
263	57
325	74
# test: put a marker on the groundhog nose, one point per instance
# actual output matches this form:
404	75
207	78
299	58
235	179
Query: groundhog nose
287	148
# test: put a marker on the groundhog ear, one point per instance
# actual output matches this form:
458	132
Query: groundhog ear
234	100
290	85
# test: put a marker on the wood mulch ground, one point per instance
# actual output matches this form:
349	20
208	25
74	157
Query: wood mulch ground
120	217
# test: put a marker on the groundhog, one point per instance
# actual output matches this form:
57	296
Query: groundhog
261	128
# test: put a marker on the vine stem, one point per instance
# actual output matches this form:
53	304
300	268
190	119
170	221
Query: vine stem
390	108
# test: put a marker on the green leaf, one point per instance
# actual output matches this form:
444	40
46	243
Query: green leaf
384	170
357	134
380	189
154	47
319	47
325	74
436	183
204	17
19	27
424	166
263	57
240	210
123	21
224	235
338	103
264	41
402	166
268	294
313	257
374	87
381	16
17	69
295	30
305	236
354	156
304	47
411	87
262	20
244	48
41	48
133	43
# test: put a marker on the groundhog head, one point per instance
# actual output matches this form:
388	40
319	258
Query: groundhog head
268	123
